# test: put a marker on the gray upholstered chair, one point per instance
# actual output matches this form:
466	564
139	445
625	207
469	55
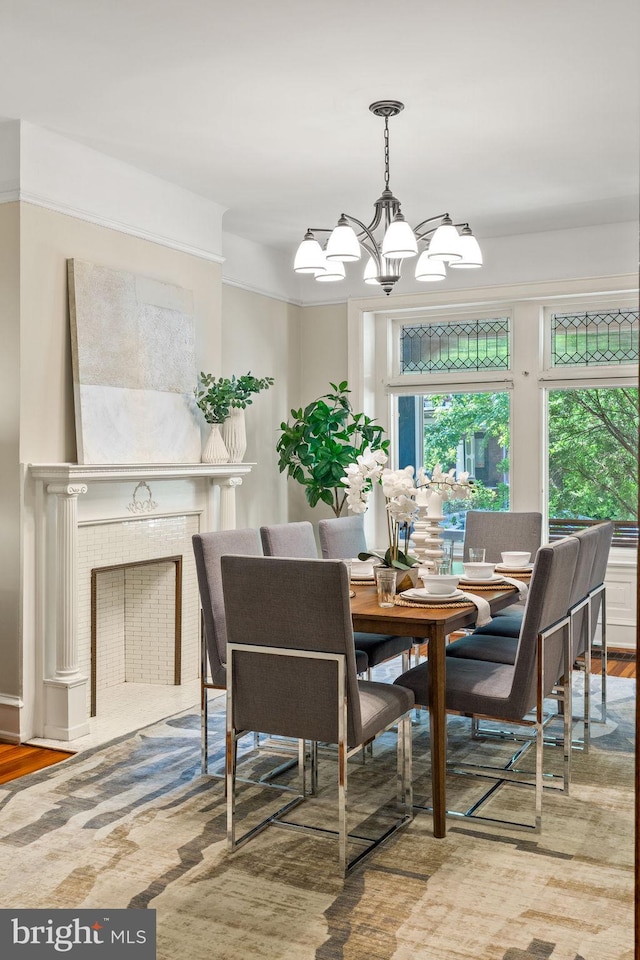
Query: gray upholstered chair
289	540
342	538
497	532
585	631
510	691
291	671
208	548
497	640
298	540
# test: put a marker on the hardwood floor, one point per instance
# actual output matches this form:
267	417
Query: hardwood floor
618	665
18	760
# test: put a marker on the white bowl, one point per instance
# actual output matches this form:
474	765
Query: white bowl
441	585
479	571
515	558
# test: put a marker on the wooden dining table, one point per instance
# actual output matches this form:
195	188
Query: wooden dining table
432	625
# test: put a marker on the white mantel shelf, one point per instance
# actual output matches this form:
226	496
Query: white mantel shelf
85	473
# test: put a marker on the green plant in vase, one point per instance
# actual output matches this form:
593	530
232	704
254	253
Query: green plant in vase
222	400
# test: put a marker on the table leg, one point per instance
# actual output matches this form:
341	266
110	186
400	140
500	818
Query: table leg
438	726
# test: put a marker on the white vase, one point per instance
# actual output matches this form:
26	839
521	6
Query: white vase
215	450
234	435
427	530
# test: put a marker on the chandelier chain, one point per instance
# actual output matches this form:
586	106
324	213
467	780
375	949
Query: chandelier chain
386	153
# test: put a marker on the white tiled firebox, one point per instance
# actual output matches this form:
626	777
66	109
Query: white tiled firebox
135	603
91	518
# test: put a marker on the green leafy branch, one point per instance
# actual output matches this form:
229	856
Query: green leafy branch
217	397
321	440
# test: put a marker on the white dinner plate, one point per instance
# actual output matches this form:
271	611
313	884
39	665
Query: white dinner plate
419	593
521	568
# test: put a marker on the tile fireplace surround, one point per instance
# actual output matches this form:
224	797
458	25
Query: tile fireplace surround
90	517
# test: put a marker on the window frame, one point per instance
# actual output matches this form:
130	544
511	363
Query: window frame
375	382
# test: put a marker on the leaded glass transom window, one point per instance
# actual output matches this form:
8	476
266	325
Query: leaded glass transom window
592	338
444	347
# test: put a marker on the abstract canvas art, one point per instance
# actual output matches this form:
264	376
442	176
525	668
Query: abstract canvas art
134	370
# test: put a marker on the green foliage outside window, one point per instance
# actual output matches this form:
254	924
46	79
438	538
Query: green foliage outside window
456	416
592	442
593	453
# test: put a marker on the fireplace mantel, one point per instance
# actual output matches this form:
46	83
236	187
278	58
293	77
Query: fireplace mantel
208	490
85	473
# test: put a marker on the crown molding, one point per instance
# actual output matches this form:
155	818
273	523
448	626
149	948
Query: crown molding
131	229
47	170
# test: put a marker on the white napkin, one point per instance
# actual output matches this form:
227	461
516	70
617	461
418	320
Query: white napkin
482	606
523	588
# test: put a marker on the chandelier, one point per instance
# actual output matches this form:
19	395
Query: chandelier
442	241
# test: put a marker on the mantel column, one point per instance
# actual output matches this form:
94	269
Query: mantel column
227	519
65	692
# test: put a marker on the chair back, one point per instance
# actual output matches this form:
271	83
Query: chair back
303	606
588	541
342	538
497	531
289	540
208	548
598	573
547	604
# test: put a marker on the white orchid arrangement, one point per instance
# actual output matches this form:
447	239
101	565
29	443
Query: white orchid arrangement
399	488
448	485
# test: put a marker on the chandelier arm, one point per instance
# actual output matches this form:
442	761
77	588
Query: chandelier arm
417	229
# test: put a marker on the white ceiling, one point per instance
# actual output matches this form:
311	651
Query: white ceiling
520	116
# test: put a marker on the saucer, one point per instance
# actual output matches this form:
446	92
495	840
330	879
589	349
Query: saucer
478	581
521	568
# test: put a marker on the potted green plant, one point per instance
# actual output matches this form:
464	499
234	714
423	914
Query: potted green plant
321	440
223	401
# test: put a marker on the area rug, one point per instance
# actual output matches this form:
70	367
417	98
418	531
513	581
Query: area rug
134	824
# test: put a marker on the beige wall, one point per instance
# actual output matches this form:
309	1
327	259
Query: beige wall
10	640
323	360
48	240
261	335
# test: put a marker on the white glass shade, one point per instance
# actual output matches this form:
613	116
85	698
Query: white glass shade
343	244
445	244
399	240
309	256
471	252
428	269
334	270
371	272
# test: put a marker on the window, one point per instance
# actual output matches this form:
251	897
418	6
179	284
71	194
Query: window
535	396
466	431
594	338
593	456
453	346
